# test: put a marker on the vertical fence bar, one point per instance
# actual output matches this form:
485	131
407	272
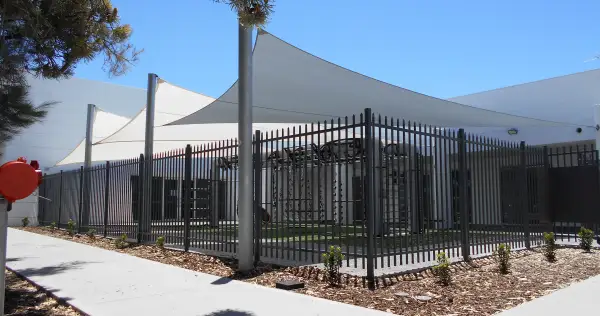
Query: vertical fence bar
140	197
60	195
187	189
258	214
81	176
106	197
463	194
369	200
525	194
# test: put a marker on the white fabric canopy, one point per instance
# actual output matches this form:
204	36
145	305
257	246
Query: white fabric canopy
171	104
105	124
291	85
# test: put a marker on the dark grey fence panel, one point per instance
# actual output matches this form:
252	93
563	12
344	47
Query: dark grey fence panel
392	194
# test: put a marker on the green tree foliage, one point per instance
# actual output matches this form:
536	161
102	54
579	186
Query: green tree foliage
48	39
251	13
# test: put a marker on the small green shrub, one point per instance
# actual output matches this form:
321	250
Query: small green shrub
442	269
333	261
71	227
502	256
160	242
91	233
121	242
586	238
52	225
549	248
25	221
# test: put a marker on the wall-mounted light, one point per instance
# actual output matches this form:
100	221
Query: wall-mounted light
513	131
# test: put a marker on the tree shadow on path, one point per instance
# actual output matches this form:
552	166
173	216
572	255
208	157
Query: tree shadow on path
51	270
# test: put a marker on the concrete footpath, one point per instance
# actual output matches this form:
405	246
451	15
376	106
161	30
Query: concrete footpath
578	299
105	283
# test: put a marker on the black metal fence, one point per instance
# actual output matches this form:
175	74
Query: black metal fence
390	193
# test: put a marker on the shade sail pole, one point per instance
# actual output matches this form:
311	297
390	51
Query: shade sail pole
246	202
146	214
87	165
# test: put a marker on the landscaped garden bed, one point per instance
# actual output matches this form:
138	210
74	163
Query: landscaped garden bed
475	289
22	298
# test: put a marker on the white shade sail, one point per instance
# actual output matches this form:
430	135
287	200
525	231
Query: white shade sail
171	104
291	85
105	124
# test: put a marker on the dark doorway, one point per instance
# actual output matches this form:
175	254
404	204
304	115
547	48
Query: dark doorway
454	177
357	198
157	198
202	199
170	195
574	194
135	197
514	197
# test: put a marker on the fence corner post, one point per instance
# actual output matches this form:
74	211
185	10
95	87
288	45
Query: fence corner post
525	194
369	196
258	215
463	195
106	198
140	198
187	188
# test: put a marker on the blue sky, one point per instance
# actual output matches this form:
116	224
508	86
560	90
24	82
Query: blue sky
440	48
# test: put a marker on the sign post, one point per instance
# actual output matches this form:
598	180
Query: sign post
3	232
18	180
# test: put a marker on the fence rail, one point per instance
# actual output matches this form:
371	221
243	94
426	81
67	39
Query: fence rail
388	192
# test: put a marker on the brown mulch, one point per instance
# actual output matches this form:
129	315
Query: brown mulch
22	298
476	289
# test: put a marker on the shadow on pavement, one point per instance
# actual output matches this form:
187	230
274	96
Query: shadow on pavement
24	299
50	270
230	312
221	281
13	259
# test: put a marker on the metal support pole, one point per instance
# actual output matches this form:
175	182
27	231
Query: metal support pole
463	195
146	209
245	258
106	197
258	211
369	197
525	194
87	165
3	245
187	194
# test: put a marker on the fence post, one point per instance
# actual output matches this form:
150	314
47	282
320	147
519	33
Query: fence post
187	188
106	197
546	192
140	197
525	194
60	187
81	176
41	204
258	215
463	195
369	196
